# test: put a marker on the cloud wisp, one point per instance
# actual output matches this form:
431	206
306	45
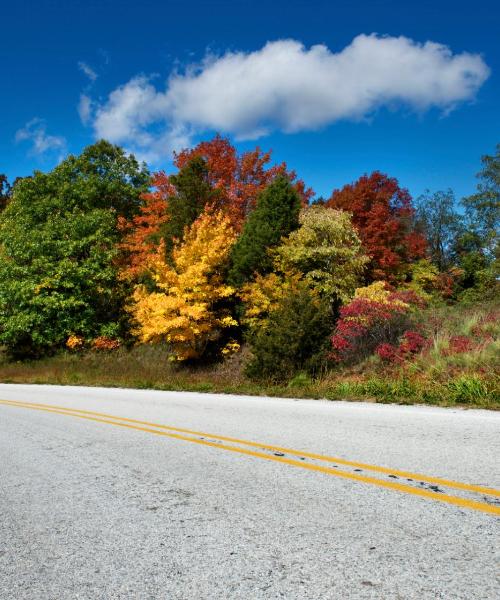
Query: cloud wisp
88	71
285	87
41	143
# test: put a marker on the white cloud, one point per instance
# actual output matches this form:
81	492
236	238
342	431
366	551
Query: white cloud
286	87
87	70
85	108
35	131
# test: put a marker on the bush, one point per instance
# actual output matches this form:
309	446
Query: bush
293	338
366	324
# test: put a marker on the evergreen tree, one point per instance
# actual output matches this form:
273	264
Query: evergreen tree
275	216
192	193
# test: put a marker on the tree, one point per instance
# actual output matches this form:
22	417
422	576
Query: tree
294	338
5	191
274	217
383	215
188	309
239	178
482	209
327	250
230	182
58	246
438	220
193	192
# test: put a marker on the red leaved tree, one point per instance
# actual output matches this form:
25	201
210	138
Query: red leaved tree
382	213
238	178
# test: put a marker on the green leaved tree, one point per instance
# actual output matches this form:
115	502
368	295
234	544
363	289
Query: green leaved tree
58	245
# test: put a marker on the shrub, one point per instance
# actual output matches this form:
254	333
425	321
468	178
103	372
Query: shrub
105	343
411	343
365	324
294	338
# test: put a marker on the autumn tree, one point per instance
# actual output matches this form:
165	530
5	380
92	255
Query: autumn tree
58	245
240	178
383	215
231	183
188	309
193	192
327	251
275	216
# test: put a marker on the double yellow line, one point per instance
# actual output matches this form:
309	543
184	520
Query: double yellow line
278	452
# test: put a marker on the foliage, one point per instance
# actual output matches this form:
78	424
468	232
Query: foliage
189	307
327	250
75	342
383	215
483	207
366	323
58	246
239	179
228	181
412	343
441	224
263	295
294	337
105	343
192	193
141	233
274	217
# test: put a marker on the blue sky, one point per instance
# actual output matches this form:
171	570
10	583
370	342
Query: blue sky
156	75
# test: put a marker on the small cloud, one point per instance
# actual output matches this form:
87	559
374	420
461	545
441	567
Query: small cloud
85	108
35	132
87	70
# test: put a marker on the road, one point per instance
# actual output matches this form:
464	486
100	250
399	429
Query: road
143	496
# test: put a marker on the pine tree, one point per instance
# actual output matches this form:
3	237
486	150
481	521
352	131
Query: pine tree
275	216
192	193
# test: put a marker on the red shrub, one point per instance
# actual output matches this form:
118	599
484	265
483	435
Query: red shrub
412	343
388	353
364	324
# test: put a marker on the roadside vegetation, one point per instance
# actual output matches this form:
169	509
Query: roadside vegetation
229	276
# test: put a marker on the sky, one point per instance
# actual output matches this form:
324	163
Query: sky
335	88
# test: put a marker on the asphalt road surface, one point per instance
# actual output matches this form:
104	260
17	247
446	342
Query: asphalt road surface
144	496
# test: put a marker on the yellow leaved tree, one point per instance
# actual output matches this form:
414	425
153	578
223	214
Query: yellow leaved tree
187	308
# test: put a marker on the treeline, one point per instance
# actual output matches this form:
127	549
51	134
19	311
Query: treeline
230	250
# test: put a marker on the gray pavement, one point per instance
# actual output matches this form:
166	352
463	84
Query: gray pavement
91	510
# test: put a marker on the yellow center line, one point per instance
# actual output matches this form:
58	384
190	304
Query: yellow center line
462	502
330	459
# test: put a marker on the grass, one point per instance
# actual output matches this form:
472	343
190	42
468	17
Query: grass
437	376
